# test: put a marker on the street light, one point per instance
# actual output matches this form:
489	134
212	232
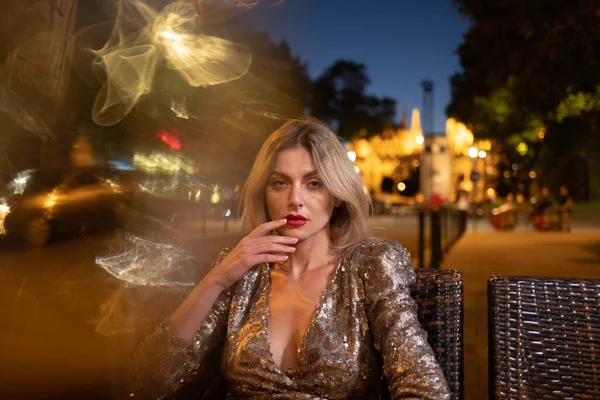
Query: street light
473	152
482	154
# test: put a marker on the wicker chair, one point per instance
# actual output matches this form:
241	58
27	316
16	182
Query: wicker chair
439	297
544	338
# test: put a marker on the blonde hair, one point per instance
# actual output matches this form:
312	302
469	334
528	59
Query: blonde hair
348	223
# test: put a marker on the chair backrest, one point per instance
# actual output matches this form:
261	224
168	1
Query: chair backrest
544	337
439	297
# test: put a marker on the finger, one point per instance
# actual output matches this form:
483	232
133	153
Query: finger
274	248
267	227
273	239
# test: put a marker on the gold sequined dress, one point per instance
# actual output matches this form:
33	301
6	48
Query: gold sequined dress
364	325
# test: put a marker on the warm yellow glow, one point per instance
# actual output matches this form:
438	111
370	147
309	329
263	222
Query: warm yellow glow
420	139
401	186
4	211
459	136
484	145
542	133
473	152
466	185
522	148
482	154
170	35
491	192
162	162
419	198
415	163
50	201
352	156
506	174
532	174
356	169
362	148
215	197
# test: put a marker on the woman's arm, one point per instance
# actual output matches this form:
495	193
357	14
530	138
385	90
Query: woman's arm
409	363
167	358
178	346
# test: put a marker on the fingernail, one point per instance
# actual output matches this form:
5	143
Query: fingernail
284	257
295	240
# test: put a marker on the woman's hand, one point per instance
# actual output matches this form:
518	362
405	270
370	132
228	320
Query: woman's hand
256	248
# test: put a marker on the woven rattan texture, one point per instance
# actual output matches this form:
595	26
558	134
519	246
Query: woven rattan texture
544	338
439	297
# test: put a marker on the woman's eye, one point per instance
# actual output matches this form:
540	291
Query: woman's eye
315	184
278	184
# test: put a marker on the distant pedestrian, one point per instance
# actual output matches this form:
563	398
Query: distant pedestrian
565	202
545	200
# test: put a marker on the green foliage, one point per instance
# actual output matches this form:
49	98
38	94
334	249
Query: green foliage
497	107
577	104
530	67
525	62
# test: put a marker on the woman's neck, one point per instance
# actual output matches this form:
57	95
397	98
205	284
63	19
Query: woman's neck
313	253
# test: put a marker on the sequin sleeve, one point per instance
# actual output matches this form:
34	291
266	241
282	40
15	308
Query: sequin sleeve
164	361
408	361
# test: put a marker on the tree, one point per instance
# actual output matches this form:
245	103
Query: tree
339	98
528	68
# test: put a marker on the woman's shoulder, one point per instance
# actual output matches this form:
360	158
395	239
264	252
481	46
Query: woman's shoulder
374	248
381	261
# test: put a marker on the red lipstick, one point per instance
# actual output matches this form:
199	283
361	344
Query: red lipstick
295	220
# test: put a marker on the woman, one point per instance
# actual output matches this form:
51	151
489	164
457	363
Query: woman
305	306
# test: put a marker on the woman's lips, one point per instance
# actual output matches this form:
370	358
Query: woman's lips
295	220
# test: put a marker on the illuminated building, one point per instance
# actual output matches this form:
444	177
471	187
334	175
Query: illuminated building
380	156
436	167
442	161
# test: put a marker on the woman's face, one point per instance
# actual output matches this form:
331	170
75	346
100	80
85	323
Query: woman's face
295	191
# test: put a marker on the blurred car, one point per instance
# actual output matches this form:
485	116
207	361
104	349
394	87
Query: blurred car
37	204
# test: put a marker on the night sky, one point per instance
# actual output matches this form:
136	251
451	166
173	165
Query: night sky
400	41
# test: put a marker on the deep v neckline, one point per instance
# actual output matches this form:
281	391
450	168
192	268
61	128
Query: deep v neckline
315	314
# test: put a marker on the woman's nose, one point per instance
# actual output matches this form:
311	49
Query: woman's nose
296	199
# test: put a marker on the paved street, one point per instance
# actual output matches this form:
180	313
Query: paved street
482	253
